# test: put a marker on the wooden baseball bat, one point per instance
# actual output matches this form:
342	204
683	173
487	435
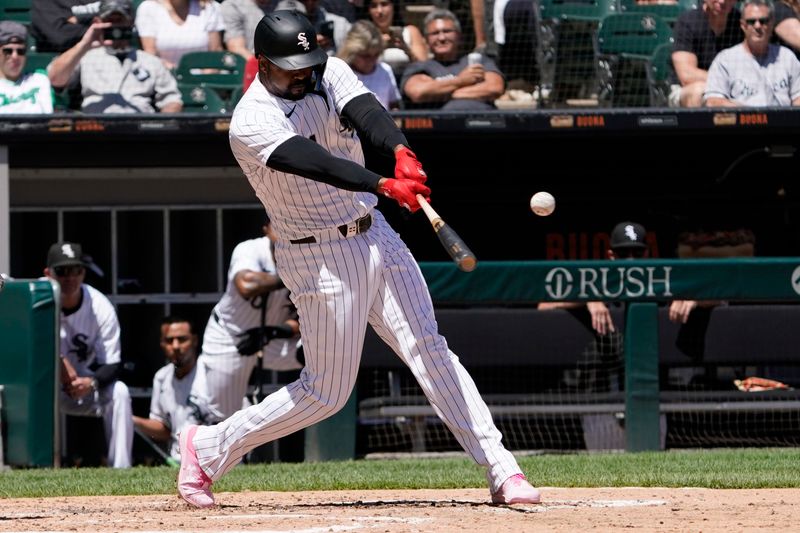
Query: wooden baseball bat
454	244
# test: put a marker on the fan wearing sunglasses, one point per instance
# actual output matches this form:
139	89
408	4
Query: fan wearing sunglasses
90	352
20	92
754	72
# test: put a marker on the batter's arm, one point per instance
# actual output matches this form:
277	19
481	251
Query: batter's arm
374	123
306	158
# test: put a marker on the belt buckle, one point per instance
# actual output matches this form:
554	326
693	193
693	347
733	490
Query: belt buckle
352	229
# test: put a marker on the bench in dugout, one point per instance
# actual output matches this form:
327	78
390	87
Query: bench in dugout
550	383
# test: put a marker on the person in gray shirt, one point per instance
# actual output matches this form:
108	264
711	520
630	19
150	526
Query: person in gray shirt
755	72
240	18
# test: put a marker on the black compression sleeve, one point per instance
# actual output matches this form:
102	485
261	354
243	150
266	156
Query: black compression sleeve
105	374
306	158
373	122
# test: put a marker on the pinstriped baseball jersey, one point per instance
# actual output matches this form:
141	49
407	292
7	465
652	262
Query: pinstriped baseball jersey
340	282
298	206
91	334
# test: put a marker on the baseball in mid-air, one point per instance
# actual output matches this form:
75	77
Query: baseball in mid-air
543	203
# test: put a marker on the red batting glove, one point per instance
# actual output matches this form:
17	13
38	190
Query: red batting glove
404	192
408	166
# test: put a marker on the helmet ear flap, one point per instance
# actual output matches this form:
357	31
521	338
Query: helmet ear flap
316	76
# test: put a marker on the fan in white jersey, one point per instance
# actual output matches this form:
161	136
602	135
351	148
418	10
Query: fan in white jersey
20	92
90	353
294	136
180	396
238	337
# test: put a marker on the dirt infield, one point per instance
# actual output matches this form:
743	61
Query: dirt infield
416	510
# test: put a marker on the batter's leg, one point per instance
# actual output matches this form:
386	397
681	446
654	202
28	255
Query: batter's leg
226	380
403	317
331	285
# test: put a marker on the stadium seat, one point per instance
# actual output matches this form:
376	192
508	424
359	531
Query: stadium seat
17	10
658	70
216	70
201	99
566	33
236	95
668	12
38	60
625	43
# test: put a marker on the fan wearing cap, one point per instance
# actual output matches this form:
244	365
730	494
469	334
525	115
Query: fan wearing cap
90	352
20	92
114	76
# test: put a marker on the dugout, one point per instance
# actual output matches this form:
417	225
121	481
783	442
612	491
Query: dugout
154	197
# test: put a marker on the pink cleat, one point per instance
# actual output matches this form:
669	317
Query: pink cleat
516	489
194	485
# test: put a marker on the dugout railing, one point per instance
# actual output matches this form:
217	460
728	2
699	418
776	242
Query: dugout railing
482	312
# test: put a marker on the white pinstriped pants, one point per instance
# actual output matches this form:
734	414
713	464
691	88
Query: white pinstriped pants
338	287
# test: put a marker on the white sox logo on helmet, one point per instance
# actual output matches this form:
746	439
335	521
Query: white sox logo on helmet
302	41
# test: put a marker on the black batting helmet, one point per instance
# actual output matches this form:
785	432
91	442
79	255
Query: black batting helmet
289	40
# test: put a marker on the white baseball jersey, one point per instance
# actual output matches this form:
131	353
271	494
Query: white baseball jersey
178	402
90	334
340	283
227	372
234	314
299	207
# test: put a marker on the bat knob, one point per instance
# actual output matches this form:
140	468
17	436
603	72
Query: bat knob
468	264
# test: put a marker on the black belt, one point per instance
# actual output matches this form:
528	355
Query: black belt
361	225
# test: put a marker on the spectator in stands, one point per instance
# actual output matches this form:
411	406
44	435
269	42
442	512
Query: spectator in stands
115	77
254	316
344	8
362	51
90	352
58	25
755	72
20	93
698	35
180	395
471	15
515	34
331	29
448	81
240	18
403	43
171	28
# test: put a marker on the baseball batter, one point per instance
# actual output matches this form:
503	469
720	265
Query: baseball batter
294	135
235	322
90	353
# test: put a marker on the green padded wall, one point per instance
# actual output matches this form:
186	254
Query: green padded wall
28	356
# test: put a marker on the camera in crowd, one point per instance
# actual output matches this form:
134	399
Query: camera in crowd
117	33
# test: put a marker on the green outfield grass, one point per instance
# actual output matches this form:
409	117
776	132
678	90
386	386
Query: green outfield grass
728	469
